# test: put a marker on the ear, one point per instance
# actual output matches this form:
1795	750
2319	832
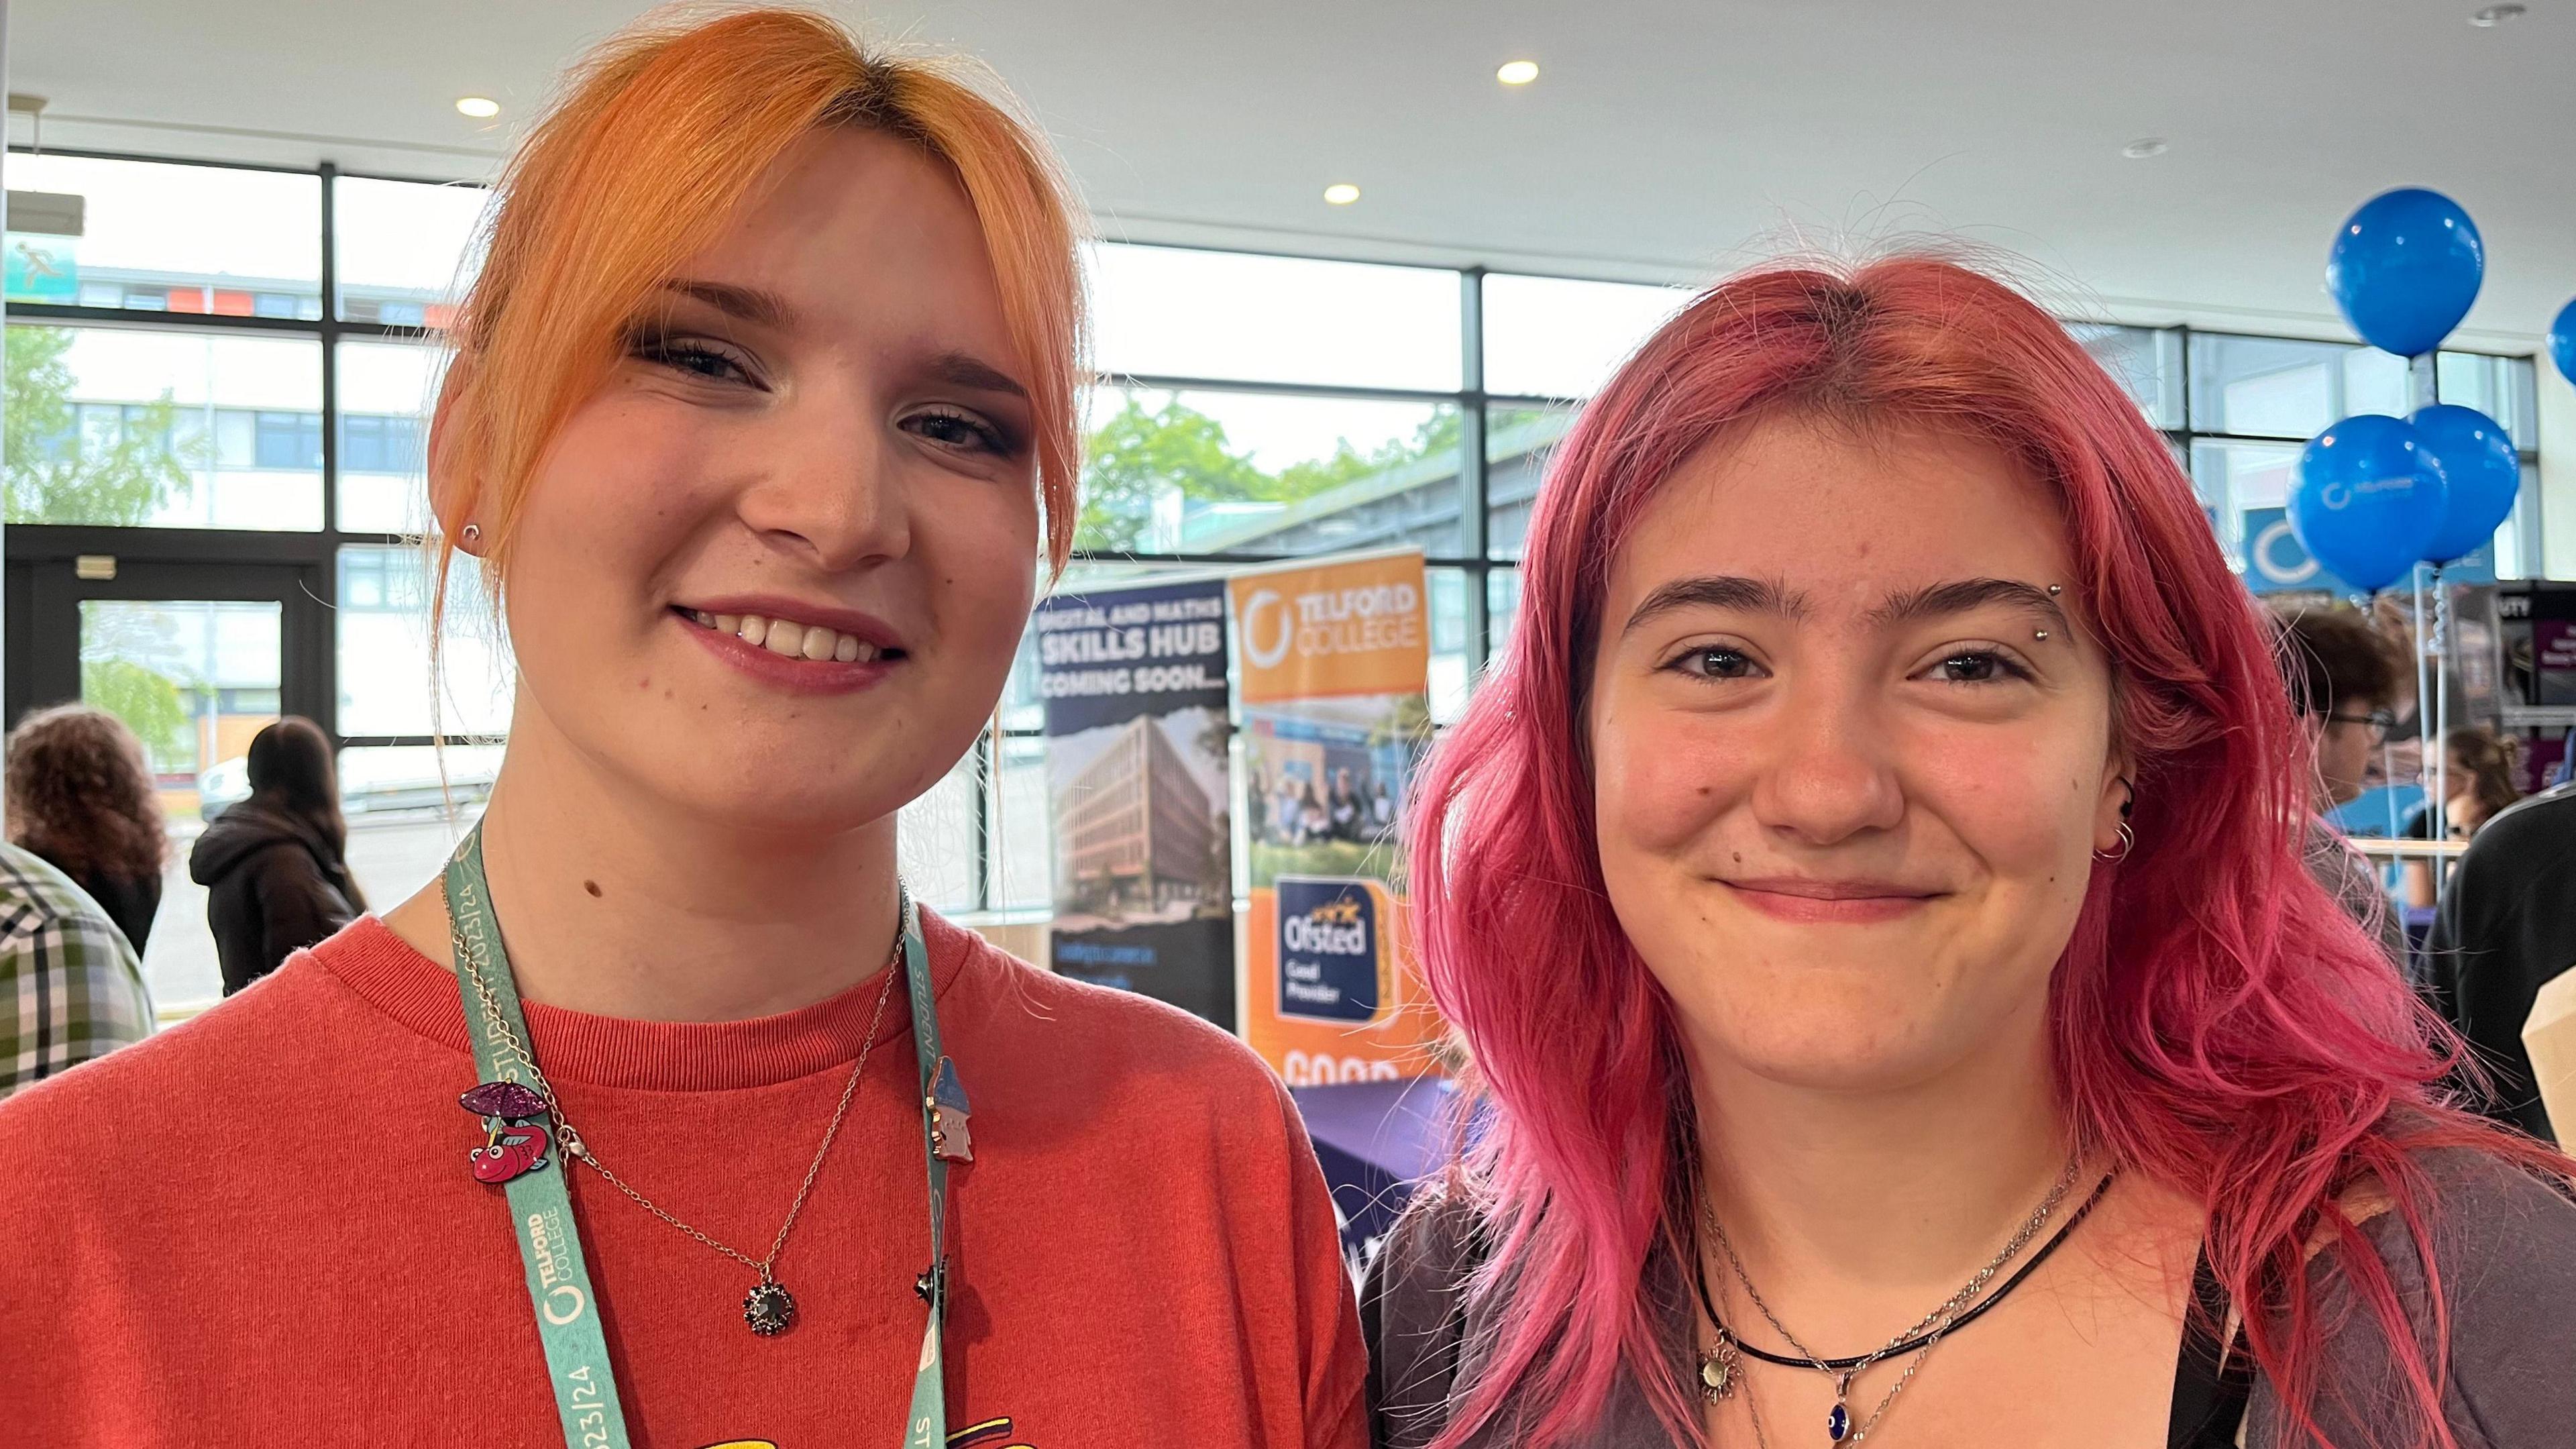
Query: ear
2118	795
453	490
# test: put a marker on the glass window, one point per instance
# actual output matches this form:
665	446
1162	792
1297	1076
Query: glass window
194	679
1022	832
1209	472
2234	479
935	839
2501	387
1170	312
163	427
383	626
167	237
407	807
2146	360
402	248
2280	388
290	441
1453	663
386	389
1554	337
1518	444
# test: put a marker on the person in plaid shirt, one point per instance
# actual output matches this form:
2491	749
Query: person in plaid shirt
70	987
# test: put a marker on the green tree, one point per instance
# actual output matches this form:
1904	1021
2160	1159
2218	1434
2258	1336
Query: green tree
147	701
52	473
1131	459
1440	433
129	669
1140	454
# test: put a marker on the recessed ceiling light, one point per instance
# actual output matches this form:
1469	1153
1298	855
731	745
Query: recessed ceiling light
2144	147
1341	193
1517	72
2495	15
481	108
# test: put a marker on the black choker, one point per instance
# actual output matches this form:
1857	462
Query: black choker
1699	1278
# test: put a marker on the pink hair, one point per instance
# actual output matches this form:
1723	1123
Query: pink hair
2219	1023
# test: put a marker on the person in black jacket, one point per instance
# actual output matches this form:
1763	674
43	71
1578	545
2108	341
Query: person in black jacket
274	866
2505	928
80	796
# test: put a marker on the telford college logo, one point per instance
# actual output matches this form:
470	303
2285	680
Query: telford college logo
1328	949
1267	652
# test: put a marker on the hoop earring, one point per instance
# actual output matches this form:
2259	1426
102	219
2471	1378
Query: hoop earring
2128	843
470	533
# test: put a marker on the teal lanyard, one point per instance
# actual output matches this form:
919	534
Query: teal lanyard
559	1287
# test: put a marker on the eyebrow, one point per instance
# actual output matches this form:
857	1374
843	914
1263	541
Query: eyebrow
1961	595
1768	596
966	370
750	304
1718	591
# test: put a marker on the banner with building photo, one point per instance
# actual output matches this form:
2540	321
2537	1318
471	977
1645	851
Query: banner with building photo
1135	691
1332	663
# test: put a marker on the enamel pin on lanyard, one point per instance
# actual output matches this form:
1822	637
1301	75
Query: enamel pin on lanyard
520	1117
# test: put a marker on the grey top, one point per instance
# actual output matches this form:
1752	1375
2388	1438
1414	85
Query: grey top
2505	1243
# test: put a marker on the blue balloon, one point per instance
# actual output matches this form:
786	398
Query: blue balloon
2562	341
2480	475
2366	501
2405	268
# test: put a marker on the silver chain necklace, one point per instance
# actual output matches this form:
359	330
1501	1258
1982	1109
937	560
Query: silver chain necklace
769	1309
1720	1367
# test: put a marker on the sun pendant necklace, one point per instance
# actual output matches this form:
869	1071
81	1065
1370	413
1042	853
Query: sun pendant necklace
517	1142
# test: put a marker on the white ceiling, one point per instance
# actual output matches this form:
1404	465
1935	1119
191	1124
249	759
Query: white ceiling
1665	139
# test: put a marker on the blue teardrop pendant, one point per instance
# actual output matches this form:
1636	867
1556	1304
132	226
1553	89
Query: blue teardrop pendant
1838	1424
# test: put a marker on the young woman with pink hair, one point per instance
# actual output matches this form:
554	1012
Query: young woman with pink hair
1869	889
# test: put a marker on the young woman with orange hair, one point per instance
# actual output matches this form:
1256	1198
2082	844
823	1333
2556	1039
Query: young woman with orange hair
761	423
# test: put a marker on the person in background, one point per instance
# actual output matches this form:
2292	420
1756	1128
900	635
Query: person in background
275	866
2481	776
2342	676
2505	929
1345	807
71	988
80	795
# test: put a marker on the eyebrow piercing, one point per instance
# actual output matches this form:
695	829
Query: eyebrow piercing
2056	589
2040	634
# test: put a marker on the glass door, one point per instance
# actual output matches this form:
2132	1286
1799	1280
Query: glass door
196	659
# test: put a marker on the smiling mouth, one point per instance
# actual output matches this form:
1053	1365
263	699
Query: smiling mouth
1824	902
790	639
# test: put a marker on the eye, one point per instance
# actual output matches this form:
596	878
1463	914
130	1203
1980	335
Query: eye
1976	666
954	428
695	356
1714	661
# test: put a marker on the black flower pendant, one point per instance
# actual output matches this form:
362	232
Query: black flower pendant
768	1310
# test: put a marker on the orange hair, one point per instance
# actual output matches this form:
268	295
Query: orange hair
663	131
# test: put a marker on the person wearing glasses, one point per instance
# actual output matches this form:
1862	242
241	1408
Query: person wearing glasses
665	1115
2343	679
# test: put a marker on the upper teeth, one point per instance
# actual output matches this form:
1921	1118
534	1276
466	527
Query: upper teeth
786	636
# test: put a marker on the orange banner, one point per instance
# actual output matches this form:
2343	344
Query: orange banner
1361	627
1332	672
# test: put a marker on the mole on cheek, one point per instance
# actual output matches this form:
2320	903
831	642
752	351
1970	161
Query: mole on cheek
591	886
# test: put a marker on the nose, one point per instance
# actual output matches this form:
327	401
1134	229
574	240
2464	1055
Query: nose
1827	775
833	495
